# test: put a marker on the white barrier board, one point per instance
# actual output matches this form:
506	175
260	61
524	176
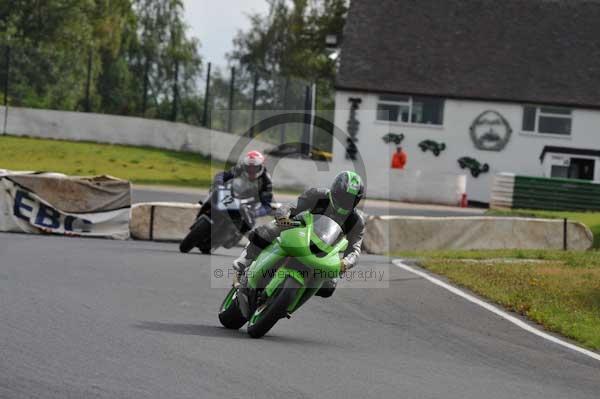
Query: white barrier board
24	211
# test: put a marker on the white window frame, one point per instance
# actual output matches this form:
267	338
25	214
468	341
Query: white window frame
395	103
409	104
539	114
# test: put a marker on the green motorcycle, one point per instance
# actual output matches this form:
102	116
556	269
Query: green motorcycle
285	275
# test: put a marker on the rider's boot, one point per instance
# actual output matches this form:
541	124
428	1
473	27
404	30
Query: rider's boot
248	255
240	265
327	288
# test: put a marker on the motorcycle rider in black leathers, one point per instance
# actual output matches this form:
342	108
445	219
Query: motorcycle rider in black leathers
339	203
253	170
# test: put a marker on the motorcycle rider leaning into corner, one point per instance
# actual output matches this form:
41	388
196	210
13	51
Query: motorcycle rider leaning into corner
252	168
338	202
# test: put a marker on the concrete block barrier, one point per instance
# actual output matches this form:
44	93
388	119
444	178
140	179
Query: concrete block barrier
168	221
126	130
387	234
162	221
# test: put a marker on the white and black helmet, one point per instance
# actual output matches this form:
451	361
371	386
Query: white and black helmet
253	165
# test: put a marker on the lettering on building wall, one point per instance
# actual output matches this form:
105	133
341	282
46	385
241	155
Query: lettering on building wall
353	126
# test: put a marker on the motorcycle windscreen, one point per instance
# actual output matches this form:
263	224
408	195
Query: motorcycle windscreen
327	231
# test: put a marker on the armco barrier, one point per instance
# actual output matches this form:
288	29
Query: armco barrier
524	192
388	234
555	194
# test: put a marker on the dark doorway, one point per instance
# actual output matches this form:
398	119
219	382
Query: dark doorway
582	168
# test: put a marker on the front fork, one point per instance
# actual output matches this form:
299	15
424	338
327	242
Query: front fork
281	275
249	299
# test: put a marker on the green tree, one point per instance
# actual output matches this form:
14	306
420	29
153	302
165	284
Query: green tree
168	60
131	56
115	35
287	48
291	39
45	39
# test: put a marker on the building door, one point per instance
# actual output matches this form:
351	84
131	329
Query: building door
582	168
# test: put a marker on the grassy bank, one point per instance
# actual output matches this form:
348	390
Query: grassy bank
590	219
138	164
559	290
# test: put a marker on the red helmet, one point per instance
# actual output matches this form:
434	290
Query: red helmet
253	165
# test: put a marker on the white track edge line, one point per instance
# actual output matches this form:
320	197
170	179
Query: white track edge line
519	323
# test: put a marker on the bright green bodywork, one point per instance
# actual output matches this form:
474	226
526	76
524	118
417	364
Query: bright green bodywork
273	265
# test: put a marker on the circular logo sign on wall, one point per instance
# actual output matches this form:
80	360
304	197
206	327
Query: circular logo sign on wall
490	131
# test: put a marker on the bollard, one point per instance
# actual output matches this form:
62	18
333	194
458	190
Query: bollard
565	242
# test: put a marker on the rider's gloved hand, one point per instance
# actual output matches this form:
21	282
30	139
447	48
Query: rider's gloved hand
286	223
282	213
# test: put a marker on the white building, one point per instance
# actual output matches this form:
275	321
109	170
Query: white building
512	84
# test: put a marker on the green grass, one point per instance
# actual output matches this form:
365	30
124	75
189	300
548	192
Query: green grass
590	219
559	290
141	165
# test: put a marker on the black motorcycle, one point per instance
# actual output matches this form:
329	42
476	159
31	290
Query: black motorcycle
227	214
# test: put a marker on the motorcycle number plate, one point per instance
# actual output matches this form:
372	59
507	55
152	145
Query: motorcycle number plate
226	201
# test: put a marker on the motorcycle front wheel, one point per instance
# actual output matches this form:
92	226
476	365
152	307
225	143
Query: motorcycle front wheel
196	236
275	308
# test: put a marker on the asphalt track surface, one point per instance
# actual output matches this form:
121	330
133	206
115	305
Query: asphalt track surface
86	318
159	194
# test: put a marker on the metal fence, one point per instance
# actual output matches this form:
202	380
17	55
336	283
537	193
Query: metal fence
226	99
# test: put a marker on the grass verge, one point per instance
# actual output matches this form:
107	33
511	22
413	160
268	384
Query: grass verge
559	290
590	219
141	165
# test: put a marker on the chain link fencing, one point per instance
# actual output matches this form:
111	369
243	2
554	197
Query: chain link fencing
225	99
